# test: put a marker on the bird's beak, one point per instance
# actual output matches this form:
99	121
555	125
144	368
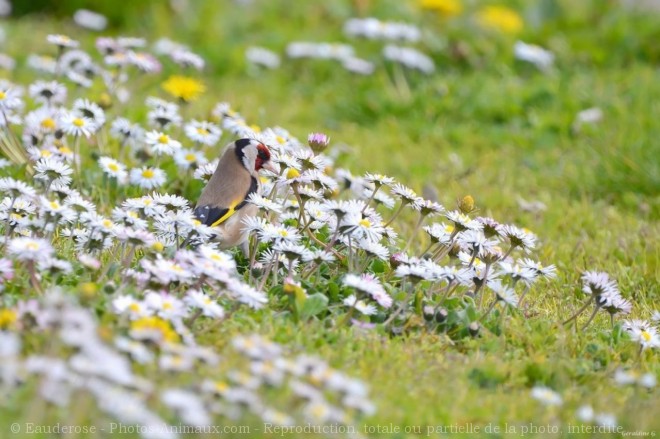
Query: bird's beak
272	167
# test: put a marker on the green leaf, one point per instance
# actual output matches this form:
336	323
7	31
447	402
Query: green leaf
315	304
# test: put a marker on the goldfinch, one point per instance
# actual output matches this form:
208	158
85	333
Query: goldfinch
223	203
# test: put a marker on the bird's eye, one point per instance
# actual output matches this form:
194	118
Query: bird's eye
263	153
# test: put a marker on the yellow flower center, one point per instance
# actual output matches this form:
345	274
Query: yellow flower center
135	307
65	150
2	94
221	386
283	233
280	139
158	246
45	153
148	173
32	246
167	305
365	223
202	131
646	336
54	205
113	167
48	123
107	223
78	122
190	157
292	173
163	138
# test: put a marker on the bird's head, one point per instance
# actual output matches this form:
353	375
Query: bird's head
254	155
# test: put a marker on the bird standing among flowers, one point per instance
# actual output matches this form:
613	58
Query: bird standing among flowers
223	203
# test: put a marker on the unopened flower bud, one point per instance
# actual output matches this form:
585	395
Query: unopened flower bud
441	315
466	205
396	259
474	329
318	142
428	312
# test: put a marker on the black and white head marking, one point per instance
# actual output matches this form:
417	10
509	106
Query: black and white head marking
246	151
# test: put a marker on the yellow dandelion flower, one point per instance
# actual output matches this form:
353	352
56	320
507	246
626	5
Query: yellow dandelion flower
446	8
7	318
185	88
501	18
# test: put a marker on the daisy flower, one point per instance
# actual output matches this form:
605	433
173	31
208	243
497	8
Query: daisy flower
596	283
144	61
405	194
113	169
186	58
75	125
161	144
409	57
10	97
264	203
90	110
62	41
373	249
163	117
370	285
262	57
360	305
203	132
53	171
148	177
540	57
548	272
463	222
429	208
48	92
204	172
642	332
16	188
30	249
546	396
90	20
518	237
247	295
504	293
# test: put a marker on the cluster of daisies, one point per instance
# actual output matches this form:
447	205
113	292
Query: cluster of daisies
259	379
345	54
394	34
80	210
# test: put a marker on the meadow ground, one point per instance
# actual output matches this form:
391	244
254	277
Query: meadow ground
482	124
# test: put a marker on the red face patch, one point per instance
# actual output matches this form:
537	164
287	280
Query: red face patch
263	156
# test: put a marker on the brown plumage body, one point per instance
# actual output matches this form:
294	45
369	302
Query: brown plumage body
222	203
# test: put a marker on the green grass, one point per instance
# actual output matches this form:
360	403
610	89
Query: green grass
487	126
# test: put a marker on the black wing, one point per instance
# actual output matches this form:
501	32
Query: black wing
213	216
208	215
